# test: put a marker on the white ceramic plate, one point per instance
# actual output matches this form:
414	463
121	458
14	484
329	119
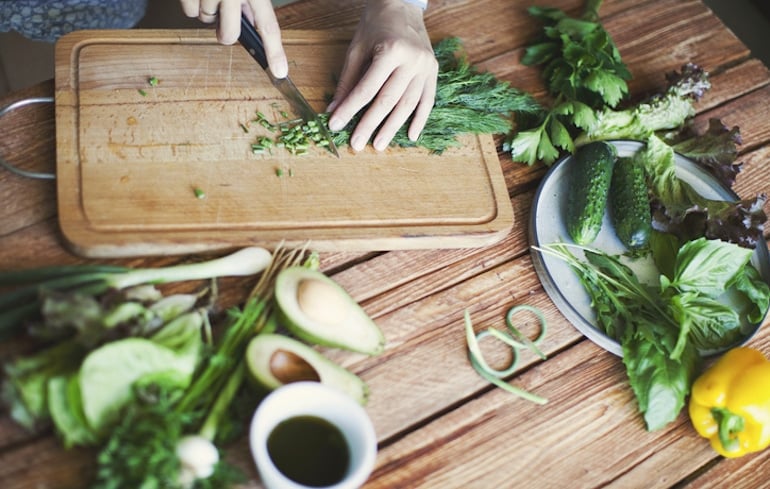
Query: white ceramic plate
562	284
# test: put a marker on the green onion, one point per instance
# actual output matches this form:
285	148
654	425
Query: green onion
199	193
153	81
23	303
520	341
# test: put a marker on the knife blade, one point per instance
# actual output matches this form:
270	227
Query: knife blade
252	41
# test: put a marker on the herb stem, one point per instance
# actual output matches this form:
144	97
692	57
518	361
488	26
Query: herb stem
591	12
210	425
560	251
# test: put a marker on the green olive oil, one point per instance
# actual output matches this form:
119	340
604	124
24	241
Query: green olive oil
309	450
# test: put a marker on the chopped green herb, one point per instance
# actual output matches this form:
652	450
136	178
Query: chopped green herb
142	92
467	102
279	172
244	128
153	81
199	193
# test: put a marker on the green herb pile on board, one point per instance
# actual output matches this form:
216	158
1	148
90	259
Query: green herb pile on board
468	101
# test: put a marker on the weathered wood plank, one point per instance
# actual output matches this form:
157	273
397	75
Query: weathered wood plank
44	464
496	440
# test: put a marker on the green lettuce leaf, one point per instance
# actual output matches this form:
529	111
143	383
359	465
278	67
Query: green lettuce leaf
660	383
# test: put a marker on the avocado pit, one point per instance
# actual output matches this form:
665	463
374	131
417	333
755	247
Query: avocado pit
288	367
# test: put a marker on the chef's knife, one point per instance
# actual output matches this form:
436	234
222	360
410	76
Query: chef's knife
252	41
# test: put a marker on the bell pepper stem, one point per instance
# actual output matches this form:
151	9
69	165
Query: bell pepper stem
730	425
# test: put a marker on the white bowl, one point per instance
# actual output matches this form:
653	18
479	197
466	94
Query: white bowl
314	399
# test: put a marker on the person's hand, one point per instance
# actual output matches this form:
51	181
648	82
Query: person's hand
391	64
228	15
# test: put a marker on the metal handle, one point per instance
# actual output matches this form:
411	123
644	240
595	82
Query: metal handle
252	41
5	164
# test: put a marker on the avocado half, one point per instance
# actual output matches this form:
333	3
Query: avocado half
274	360
316	309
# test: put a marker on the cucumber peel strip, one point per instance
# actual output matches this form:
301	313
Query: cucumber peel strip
516	340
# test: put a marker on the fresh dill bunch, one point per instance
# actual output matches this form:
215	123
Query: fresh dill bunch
467	102
140	452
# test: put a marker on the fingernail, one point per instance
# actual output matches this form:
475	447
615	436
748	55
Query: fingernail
380	144
280	70
332	105
336	124
357	143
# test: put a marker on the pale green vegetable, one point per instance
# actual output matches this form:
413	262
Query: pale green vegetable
66	408
108	373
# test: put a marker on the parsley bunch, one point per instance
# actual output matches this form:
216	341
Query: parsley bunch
583	72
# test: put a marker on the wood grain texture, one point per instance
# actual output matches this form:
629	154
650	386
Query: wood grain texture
130	156
438	423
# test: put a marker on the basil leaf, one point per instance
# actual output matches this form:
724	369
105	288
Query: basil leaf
660	383
708	266
756	291
710	324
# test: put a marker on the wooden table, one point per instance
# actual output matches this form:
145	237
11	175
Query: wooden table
438	423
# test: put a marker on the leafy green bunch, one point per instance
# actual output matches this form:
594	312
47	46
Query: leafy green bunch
664	328
468	101
583	72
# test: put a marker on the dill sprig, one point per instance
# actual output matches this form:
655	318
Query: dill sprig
468	101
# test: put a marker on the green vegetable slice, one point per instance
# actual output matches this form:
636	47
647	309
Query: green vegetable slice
107	375
516	340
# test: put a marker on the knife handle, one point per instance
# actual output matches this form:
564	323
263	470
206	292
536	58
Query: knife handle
252	41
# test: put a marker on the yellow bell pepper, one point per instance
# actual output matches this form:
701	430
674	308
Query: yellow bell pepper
730	403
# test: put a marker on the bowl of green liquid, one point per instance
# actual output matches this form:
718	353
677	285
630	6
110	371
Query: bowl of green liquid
308	435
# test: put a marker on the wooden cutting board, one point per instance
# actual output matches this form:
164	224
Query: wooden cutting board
130	155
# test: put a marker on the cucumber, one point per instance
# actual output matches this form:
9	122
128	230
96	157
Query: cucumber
630	204
588	189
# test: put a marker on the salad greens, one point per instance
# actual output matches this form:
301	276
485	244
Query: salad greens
200	409
583	72
679	210
666	111
663	328
78	324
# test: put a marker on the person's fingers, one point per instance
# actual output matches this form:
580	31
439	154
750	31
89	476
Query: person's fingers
208	11
393	104
190	7
354	67
229	27
405	107
366	89
267	24
424	107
